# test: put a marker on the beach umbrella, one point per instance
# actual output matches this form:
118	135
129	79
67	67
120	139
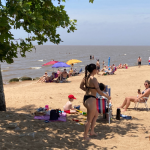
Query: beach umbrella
60	64
50	63
73	61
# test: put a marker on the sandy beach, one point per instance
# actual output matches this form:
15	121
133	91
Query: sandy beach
122	134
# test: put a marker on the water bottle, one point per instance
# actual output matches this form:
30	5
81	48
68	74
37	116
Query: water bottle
118	114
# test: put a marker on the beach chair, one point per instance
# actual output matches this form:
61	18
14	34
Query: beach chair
80	71
145	102
103	107
77	73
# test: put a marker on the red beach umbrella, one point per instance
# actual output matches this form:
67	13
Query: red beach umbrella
50	63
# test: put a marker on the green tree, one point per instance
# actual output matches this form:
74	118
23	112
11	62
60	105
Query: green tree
39	17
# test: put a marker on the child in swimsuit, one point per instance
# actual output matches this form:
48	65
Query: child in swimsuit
68	106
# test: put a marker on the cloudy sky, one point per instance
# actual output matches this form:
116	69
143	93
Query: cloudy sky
106	22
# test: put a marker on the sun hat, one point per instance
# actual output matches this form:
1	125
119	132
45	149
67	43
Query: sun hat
71	97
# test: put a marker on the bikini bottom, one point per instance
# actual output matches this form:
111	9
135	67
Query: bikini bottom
88	96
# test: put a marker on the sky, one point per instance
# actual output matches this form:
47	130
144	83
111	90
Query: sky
105	22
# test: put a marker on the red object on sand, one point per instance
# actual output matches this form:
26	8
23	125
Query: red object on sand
67	111
50	63
75	120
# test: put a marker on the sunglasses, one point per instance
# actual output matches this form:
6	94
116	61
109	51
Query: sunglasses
145	84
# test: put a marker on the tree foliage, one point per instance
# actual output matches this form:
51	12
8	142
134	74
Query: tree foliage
39	17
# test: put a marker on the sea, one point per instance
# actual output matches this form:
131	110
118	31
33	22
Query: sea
31	65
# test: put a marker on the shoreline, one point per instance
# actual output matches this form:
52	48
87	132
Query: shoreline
7	83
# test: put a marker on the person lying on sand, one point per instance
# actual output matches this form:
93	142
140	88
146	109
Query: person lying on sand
42	79
68	106
141	96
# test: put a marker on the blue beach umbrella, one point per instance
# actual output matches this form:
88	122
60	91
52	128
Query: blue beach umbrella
60	64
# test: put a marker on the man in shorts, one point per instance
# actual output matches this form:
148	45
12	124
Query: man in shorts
139	61
98	66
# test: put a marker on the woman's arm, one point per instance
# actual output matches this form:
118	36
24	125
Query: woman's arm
147	92
82	85
98	89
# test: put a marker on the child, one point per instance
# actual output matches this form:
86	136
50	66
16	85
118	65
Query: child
103	89
68	106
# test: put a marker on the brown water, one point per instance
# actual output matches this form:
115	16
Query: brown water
32	65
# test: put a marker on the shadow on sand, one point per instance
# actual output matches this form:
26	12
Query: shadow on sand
36	134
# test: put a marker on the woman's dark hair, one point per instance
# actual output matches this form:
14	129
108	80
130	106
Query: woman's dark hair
89	68
148	82
102	86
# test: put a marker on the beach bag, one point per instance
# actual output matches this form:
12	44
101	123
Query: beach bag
54	114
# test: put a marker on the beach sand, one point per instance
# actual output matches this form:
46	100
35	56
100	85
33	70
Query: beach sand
23	97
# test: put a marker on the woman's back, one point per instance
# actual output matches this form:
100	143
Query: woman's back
90	88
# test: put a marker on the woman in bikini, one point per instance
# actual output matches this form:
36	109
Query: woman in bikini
90	85
141	96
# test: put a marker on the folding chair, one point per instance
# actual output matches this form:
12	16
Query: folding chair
145	102
103	105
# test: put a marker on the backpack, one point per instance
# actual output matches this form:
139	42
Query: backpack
54	114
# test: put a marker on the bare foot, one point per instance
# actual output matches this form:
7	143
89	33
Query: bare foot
86	139
93	134
123	110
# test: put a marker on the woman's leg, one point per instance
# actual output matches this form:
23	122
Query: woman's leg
90	104
128	100
93	123
124	103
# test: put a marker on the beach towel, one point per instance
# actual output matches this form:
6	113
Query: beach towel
125	116
101	105
46	117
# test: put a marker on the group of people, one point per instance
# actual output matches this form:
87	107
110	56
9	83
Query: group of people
90	85
105	69
59	76
91	57
120	66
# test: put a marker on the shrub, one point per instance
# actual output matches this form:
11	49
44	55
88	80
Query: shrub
25	78
37	78
14	80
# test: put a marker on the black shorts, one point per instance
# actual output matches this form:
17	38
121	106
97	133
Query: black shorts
139	63
98	68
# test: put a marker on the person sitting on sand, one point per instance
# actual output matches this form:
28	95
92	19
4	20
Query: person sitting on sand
64	75
42	79
68	106
141	96
120	66
71	72
58	72
51	78
104	68
108	71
